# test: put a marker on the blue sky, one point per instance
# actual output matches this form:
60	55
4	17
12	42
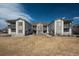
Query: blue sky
48	12
40	12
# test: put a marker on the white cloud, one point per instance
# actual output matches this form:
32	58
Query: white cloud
12	11
76	18
3	24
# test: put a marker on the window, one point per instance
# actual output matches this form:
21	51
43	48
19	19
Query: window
66	29
13	30
59	23
39	27
20	31
20	23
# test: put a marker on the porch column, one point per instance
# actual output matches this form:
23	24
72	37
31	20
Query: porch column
47	30
9	31
55	28
62	28
16	27
70	30
42	29
36	29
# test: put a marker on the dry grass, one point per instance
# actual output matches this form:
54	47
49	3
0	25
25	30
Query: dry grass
39	45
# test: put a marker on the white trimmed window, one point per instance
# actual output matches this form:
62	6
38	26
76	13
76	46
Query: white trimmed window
20	31
20	23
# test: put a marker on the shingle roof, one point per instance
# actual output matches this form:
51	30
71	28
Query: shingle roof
14	20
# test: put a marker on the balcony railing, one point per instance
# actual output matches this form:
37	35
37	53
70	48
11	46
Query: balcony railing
66	25
13	26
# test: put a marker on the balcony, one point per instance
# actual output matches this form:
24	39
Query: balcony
66	25
12	26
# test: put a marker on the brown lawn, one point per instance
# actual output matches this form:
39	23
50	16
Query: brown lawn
39	45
